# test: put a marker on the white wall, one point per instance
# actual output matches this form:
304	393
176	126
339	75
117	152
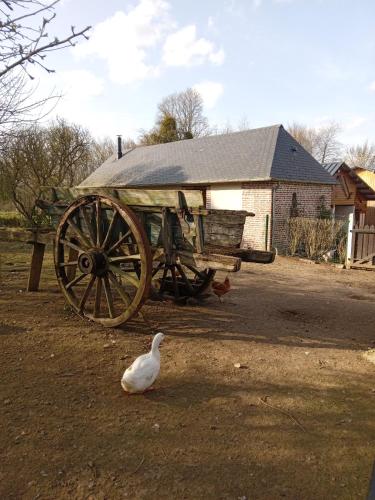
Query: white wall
226	197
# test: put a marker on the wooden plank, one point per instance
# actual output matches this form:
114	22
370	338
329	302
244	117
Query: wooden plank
359	248
363	231
166	230
35	267
365	243
212	261
365	260
160	197
199	242
353	248
371	244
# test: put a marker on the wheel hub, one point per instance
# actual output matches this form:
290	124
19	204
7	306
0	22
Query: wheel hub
92	263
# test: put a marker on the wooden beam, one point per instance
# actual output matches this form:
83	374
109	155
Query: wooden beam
211	261
35	267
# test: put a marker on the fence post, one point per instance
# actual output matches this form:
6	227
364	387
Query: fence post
349	246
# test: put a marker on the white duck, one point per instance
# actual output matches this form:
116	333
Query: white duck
142	373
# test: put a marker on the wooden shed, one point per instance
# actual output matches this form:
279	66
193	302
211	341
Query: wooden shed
351	194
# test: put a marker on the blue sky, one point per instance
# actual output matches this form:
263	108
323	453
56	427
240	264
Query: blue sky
269	61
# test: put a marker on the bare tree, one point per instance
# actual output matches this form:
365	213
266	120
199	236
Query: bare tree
362	155
128	143
243	124
305	136
101	150
37	157
328	148
23	41
187	109
322	143
18	106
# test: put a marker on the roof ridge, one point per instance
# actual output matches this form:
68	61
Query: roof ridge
205	137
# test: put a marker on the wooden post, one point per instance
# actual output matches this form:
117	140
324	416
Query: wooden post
350	242
167	234
199	241
35	267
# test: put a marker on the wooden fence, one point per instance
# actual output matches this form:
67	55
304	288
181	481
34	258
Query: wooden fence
370	216
361	253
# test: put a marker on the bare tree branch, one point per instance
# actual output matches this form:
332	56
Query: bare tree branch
322	143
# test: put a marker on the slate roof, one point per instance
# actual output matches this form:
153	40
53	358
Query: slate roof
268	153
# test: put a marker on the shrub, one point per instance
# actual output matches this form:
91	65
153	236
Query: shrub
12	219
313	238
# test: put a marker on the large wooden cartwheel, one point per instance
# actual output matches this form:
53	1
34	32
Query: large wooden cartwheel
103	260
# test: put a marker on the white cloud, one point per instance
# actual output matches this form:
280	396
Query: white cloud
183	48
210	92
127	40
123	39
372	86
79	84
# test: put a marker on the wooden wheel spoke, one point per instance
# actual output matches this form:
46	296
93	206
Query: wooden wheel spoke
124	258
107	238
127	277
163	279
157	268
69	263
79	234
123	293
108	296
98	208
75	281
88	223
119	242
98	297
71	245
86	293
175	283
185	278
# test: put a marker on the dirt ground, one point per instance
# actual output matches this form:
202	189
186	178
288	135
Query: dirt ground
296	422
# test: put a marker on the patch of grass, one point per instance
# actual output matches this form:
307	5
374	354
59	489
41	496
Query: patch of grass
12	219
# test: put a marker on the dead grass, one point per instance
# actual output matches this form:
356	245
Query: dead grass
313	238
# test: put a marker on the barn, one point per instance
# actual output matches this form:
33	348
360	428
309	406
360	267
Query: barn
262	170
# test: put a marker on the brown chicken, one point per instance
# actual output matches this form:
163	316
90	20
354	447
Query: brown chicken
221	288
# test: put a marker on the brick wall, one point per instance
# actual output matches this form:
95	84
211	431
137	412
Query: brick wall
257	198
308	200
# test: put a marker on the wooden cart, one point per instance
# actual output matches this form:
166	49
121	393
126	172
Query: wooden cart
113	249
